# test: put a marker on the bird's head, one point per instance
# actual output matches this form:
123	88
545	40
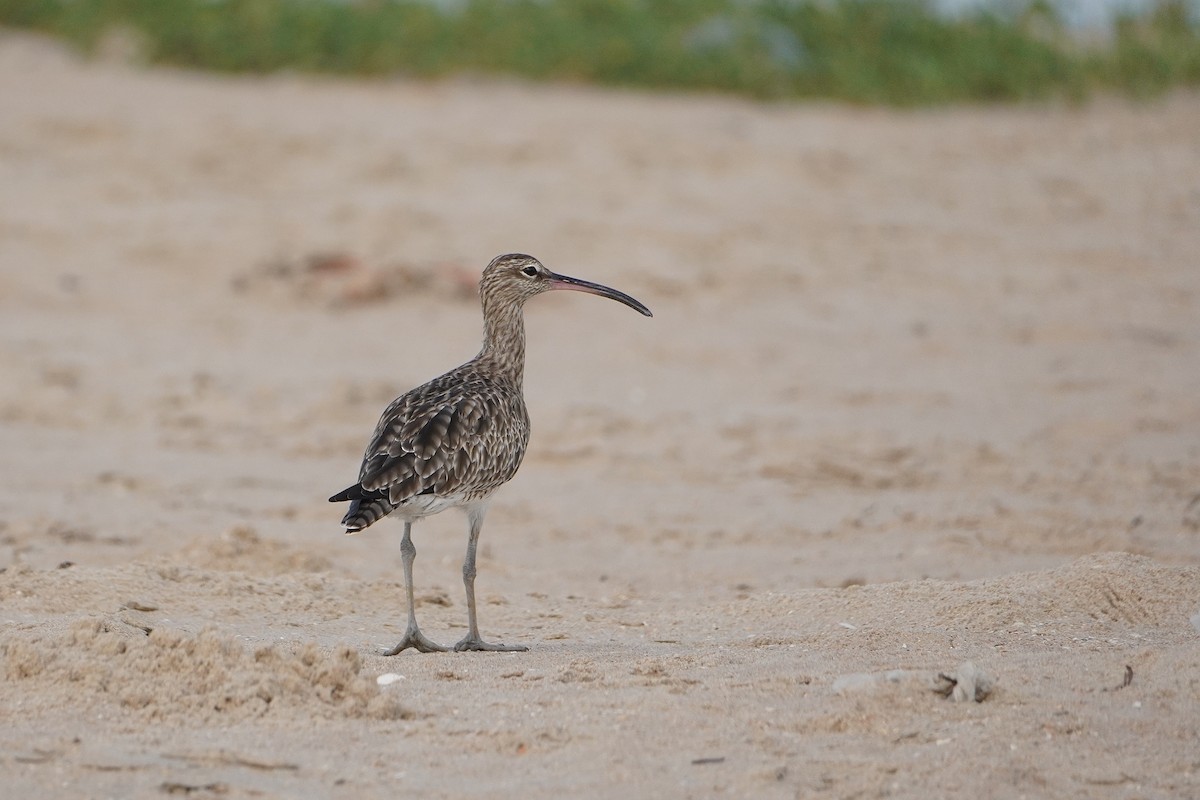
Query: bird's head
514	278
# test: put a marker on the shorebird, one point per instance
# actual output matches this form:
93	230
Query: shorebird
454	441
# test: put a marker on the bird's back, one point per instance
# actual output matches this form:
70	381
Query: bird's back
453	440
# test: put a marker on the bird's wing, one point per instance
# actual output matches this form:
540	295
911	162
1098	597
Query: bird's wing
443	437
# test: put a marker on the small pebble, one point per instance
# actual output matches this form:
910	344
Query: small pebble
388	678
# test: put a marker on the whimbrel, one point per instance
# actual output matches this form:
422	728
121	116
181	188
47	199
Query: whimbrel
454	441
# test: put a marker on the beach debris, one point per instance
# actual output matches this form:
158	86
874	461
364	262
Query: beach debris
341	279
968	683
224	757
175	787
1125	681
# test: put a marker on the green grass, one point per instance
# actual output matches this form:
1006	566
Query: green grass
895	52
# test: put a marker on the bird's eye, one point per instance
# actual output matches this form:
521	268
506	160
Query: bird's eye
530	271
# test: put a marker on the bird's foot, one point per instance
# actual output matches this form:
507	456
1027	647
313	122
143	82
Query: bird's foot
414	638
475	643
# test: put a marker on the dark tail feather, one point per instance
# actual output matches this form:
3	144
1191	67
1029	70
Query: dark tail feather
366	508
354	492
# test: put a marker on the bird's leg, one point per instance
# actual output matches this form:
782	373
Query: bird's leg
413	636
472	641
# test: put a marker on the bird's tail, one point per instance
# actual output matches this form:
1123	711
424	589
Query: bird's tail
366	508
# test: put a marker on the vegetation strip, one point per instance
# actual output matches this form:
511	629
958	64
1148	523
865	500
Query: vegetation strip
893	52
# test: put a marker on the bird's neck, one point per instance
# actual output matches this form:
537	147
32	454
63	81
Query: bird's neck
504	340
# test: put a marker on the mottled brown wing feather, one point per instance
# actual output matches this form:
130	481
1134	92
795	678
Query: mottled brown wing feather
462	433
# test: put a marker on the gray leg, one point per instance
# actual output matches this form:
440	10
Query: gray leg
413	636
472	641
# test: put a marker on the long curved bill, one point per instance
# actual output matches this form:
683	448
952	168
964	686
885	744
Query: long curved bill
557	281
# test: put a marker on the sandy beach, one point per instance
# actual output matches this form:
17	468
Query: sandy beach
921	390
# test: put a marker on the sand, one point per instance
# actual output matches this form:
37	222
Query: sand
922	390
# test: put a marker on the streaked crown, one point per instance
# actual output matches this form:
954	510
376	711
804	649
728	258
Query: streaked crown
513	278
